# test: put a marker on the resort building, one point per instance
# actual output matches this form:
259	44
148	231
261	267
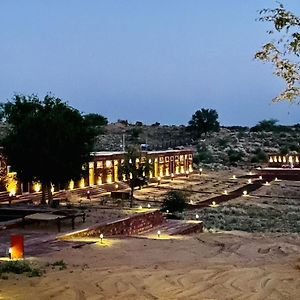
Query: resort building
284	161
104	167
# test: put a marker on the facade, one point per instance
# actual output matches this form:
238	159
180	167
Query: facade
104	168
284	161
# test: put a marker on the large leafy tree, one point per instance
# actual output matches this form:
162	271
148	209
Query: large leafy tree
283	50
204	121
48	140
135	169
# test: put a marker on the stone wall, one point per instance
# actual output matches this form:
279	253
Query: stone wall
128	226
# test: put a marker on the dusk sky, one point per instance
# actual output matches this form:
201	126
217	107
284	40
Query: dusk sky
154	60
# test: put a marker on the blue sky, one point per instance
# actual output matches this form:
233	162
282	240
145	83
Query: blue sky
146	60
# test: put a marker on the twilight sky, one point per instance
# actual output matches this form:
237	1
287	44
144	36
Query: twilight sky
146	60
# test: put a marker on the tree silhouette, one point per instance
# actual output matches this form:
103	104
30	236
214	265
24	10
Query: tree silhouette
204	121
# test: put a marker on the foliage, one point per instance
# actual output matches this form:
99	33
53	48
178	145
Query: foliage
19	267
135	133
175	201
203	155
135	169
260	156
234	156
48	140
204	121
124	122
95	120
223	142
60	263
283	50
265	125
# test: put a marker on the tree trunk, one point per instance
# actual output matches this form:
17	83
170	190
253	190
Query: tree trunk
131	196
46	193
43	200
50	197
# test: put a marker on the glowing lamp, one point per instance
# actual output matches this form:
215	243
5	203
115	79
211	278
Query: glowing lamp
16	250
158	233
233	177
149	206
140	207
260	177
116	186
267	183
249	181
191	202
101	238
276	179
245	193
225	192
197	216
167	211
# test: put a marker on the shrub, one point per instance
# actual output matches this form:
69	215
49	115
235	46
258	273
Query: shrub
19	267
175	201
234	155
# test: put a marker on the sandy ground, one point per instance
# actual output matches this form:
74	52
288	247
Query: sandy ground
204	266
225	265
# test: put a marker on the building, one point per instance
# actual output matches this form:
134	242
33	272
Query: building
103	167
281	167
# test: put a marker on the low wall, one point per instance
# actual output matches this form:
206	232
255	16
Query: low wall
128	226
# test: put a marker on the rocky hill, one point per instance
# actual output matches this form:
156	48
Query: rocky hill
230	146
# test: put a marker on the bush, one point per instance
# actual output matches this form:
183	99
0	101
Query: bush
175	201
203	155
234	155
19	267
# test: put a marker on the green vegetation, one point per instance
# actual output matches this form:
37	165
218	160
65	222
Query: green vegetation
46	136
175	201
273	217
204	121
135	170
259	156
203	155
19	267
60	263
283	50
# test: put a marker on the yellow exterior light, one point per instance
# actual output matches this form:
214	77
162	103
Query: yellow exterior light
101	238
37	187
245	193
71	185
249	181
158	233
81	183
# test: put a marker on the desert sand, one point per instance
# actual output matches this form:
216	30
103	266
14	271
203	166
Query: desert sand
204	266
211	265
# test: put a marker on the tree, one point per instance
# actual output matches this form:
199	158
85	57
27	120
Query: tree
48	141
95	120
204	121
283	50
265	125
135	169
175	201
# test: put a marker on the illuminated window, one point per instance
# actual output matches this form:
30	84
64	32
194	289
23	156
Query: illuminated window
108	164
190	156
167	158
99	164
161	159
172	158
